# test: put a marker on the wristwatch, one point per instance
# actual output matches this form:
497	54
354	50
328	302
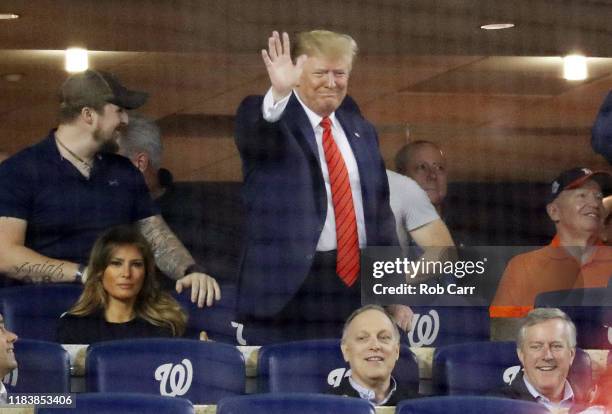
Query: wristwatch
80	274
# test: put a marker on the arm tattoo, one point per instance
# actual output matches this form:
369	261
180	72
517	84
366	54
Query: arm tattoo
39	272
171	256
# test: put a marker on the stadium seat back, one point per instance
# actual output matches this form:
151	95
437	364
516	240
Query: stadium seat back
44	367
316	366
293	403
125	403
33	311
481	367
469	404
591	311
202	372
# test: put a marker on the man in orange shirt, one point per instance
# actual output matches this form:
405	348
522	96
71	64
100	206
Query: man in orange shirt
574	259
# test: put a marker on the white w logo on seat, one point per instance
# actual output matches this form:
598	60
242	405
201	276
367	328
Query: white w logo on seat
334	378
510	373
178	377
424	329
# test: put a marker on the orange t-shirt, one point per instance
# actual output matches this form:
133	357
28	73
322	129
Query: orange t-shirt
547	269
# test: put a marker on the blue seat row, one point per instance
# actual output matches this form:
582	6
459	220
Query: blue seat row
32	312
206	372
292	403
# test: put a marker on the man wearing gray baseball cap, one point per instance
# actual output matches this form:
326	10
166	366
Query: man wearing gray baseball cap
57	196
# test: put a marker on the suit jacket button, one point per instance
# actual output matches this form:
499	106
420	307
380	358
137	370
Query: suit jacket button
309	256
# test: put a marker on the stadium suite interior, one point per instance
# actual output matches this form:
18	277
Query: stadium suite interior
494	100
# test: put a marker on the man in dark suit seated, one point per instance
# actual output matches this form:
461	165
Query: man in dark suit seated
7	356
371	345
315	187
546	346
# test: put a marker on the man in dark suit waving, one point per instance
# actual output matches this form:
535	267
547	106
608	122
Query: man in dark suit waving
315	186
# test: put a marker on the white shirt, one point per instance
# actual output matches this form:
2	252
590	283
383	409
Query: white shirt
327	240
368	394
3	394
566	401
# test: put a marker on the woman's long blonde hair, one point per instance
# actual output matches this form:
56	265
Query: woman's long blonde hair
152	304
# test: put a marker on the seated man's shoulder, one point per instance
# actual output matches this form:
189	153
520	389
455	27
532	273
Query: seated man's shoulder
344	389
404	183
535	256
516	390
118	161
25	161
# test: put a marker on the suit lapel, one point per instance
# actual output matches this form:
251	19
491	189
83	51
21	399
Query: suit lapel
354	135
299	126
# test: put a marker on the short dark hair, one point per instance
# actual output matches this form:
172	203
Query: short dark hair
69	112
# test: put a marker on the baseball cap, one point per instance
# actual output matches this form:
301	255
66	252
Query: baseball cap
91	86
575	177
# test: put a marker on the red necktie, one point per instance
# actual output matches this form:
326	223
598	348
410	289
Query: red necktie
347	262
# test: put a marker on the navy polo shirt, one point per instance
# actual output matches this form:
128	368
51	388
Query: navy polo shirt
65	211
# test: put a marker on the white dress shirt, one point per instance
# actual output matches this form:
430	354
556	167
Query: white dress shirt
327	240
566	401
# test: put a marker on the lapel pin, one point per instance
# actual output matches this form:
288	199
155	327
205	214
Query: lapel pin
357	134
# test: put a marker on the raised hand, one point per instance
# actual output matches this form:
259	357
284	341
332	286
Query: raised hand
284	75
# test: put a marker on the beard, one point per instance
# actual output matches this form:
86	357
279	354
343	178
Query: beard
108	144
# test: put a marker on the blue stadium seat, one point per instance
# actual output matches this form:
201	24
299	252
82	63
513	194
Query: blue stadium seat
591	311
219	321
125	403
293	403
33	311
266	333
446	325
432	326
202	372
469	404
43	367
318	365
479	367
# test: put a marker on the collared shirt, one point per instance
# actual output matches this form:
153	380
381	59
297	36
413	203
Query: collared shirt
65	211
327	240
368	394
566	401
3	394
544	270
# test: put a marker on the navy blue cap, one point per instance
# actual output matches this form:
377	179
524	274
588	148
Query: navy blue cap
575	177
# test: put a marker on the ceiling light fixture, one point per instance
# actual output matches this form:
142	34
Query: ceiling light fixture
8	16
575	67
497	26
76	60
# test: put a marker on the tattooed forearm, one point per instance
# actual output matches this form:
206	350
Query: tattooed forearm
40	272
20	262
170	255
